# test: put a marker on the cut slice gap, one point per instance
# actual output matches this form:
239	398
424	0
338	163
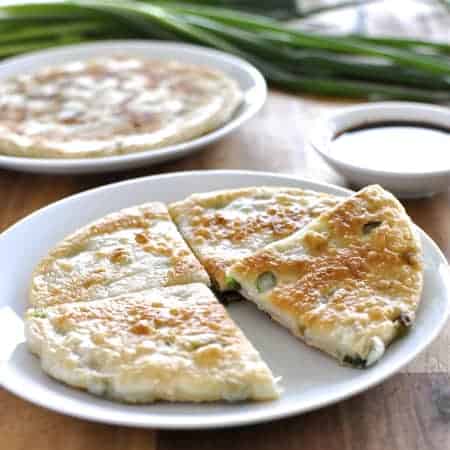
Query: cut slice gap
222	227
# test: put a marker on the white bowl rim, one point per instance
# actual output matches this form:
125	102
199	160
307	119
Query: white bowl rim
320	136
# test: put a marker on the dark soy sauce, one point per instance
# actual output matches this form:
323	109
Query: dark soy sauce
395	147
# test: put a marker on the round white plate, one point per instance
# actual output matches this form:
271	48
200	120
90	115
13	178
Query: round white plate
248	77
310	378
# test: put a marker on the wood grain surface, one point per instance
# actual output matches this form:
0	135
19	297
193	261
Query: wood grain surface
410	411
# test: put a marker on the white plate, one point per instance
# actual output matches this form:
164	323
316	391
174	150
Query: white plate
249	79
310	378
403	184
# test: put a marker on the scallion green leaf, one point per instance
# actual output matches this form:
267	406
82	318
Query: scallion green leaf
350	66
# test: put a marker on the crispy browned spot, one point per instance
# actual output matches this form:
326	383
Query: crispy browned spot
358	273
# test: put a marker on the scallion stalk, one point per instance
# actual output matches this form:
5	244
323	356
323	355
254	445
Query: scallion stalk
350	66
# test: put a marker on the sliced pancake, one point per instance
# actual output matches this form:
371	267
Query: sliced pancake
223	227
175	343
127	251
348	283
112	106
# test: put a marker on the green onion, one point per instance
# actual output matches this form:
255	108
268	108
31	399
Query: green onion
58	30
321	62
355	361
39	313
265	282
16	49
340	44
355	66
415	44
370	226
281	9
231	283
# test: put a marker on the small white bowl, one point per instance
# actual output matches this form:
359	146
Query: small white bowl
403	184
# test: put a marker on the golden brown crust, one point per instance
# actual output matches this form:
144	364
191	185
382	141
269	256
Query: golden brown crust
176	343
130	250
358	266
223	226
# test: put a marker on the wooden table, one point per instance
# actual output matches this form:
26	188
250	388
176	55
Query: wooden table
406	412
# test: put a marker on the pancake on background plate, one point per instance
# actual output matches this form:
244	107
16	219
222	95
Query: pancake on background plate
112	106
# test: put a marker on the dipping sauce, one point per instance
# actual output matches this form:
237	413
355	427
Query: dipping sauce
395	147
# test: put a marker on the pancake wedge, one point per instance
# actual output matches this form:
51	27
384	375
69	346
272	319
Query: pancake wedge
223	227
349	283
112	106
175	343
127	251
